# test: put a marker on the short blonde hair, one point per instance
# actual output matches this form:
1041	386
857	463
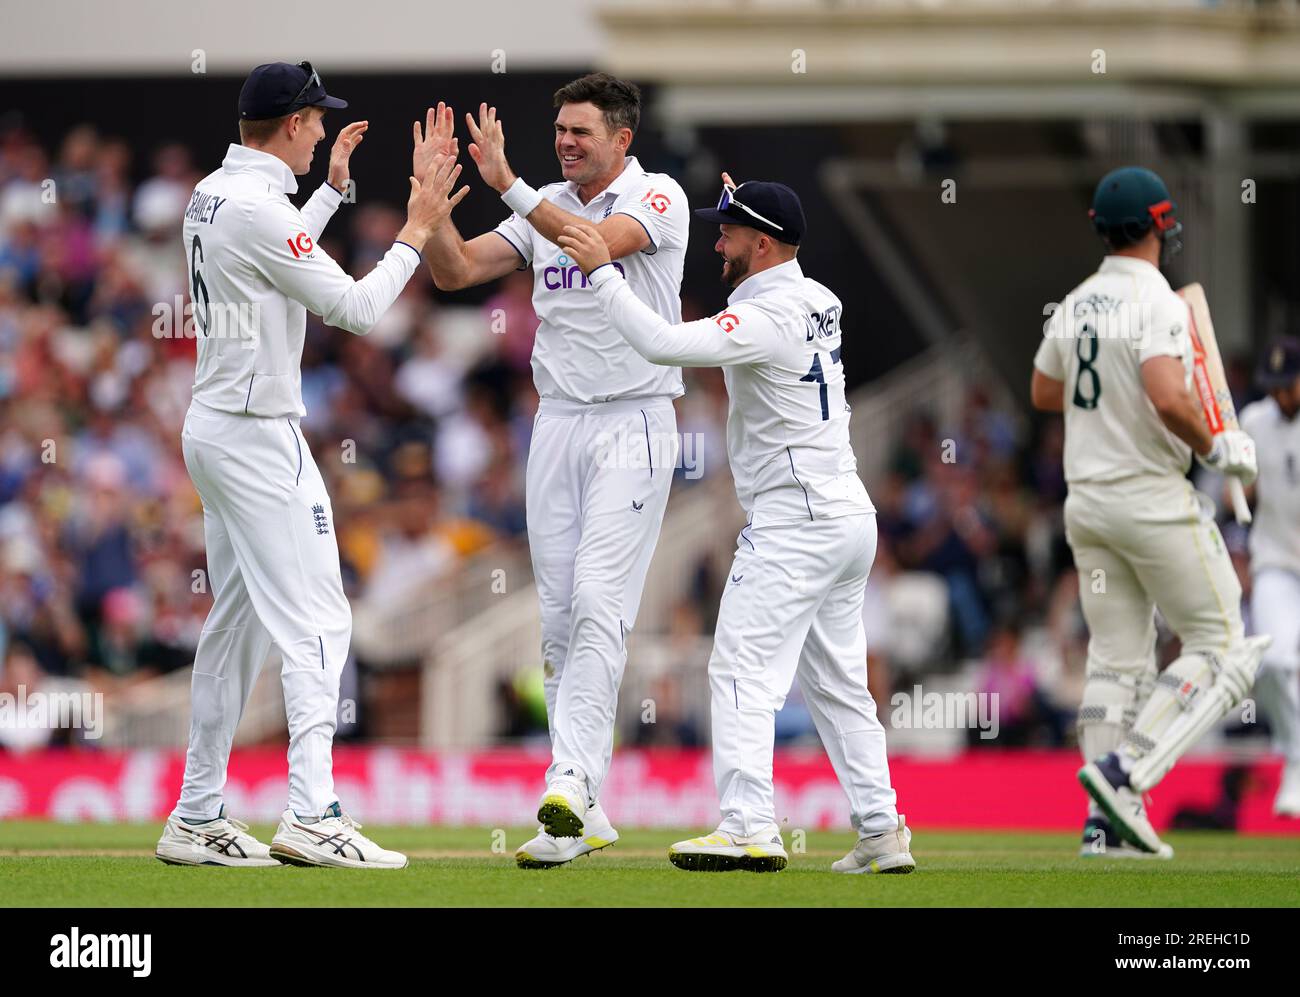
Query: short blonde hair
261	132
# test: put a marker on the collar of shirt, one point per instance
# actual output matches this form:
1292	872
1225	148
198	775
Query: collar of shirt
272	169
1131	265
782	275
631	173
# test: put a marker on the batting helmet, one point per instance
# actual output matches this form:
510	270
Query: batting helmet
1128	202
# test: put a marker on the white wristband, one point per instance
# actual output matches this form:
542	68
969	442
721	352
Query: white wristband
521	199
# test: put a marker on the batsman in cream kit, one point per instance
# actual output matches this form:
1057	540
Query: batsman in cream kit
1118	363
269	529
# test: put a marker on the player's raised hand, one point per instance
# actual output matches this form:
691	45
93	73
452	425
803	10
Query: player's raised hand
488	149
348	139
585	245
431	201
726	179
436	138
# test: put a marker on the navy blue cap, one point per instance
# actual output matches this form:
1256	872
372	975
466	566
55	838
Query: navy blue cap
772	208
1280	364
275	89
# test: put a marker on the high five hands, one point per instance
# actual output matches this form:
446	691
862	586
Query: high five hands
437	138
431	200
345	144
488	149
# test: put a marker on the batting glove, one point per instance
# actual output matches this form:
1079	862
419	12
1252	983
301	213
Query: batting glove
1233	452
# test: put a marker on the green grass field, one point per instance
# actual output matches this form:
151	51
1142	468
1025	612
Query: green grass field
78	865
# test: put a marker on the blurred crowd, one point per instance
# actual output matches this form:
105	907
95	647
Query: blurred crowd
101	540
972	533
421	430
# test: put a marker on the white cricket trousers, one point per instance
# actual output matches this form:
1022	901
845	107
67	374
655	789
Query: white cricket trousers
597	485
273	563
1275	610
793	607
1143	542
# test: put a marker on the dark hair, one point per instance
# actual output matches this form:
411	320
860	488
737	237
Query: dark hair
619	100
1123	236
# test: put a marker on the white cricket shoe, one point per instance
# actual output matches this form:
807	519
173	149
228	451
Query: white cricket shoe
1287	801
886	852
335	841
547	851
1107	783
563	805
723	851
1101	842
220	841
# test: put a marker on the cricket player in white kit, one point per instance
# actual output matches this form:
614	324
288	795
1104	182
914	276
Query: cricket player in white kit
1275	556
1117	360
273	561
593	516
793	605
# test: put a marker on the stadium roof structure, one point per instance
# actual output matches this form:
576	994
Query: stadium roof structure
816	61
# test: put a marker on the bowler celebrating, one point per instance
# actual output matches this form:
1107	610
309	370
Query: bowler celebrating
255	270
592	524
793	606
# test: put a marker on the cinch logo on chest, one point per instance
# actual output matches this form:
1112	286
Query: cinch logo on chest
565	274
322	523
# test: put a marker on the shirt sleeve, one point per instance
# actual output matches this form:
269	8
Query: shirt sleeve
659	204
1165	332
319	209
1048	358
287	255
742	334
518	233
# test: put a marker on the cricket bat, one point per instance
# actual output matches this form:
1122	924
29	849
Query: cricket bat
1211	385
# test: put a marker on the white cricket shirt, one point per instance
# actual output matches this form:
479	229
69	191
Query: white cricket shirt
576	355
778	342
1096	342
254	272
1275	532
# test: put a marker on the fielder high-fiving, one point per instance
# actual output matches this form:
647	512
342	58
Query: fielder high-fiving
255	271
793	605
